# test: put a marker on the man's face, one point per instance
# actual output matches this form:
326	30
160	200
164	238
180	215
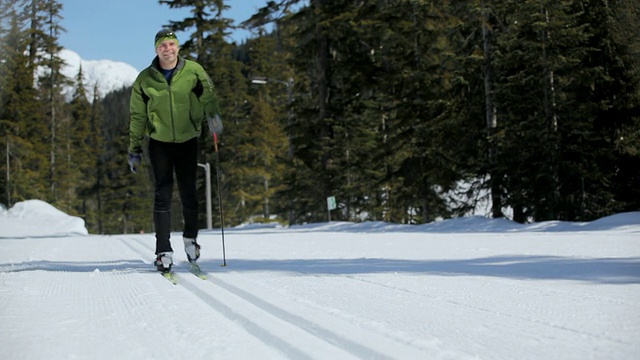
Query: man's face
167	51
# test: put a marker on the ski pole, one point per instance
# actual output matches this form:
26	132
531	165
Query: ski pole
215	147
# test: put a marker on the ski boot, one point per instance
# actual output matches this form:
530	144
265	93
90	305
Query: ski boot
164	262
192	248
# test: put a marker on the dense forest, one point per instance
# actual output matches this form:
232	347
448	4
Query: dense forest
405	111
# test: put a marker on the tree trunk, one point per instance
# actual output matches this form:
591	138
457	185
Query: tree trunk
8	174
323	97
491	117
552	120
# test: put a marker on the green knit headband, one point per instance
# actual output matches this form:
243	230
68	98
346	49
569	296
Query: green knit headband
164	35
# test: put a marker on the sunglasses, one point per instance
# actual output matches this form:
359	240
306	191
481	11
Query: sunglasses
165	34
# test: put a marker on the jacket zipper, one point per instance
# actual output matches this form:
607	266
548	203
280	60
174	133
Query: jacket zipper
173	123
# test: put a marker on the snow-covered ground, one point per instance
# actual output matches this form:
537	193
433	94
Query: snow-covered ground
470	288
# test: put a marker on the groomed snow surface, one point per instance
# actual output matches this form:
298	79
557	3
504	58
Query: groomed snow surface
470	288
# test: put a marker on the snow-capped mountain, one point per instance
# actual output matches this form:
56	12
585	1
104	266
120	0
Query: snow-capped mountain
109	75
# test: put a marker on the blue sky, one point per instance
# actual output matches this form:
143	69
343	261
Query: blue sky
123	30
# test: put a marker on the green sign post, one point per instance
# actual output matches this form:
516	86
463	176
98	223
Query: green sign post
331	204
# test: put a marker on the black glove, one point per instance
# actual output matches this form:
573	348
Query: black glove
134	162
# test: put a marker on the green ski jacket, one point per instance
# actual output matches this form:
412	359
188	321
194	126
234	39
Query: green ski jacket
172	111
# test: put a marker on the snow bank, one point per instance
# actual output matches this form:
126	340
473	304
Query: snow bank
36	218
624	222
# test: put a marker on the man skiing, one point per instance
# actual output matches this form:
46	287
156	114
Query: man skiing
171	101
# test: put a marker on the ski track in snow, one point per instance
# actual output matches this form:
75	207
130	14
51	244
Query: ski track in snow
286	327
472	308
110	313
374	300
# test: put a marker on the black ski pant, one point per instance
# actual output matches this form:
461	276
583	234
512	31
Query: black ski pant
165	159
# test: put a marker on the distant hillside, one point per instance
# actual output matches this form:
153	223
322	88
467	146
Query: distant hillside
107	74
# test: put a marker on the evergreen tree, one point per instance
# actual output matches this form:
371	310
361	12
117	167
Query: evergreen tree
51	116
539	46
80	150
413	82
263	142
127	200
313	138
93	201
625	16
17	99
601	143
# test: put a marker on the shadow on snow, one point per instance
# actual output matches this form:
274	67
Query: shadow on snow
77	266
597	270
